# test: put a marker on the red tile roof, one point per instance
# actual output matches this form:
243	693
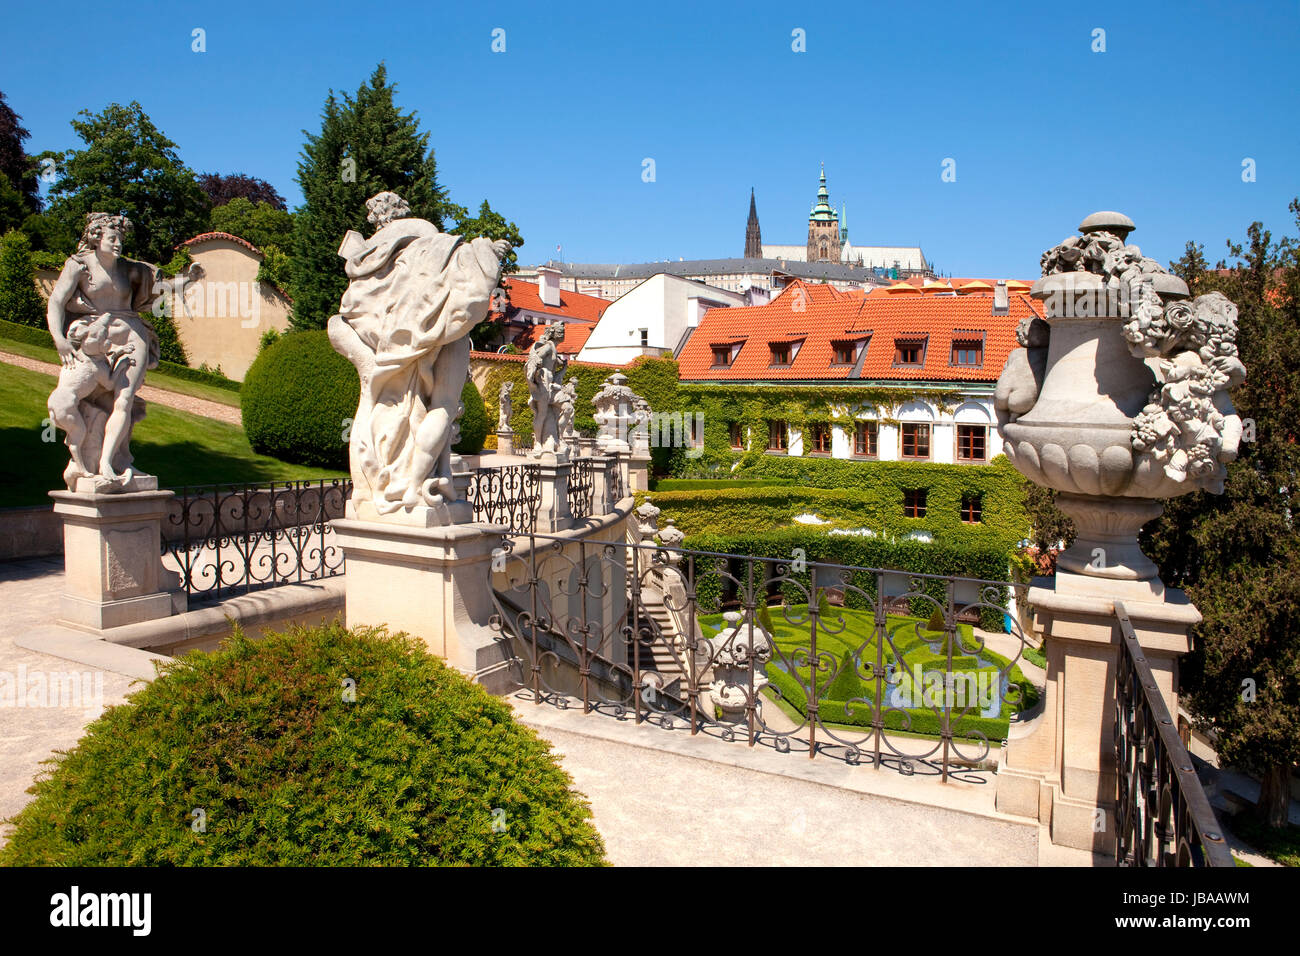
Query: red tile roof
830	316
230	237
576	334
573	305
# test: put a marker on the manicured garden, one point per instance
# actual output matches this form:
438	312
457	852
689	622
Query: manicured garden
180	448
847	637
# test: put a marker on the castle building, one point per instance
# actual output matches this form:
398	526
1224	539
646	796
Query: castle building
828	242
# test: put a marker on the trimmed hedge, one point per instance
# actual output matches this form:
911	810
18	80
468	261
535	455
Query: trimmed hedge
473	424
863	495
420	767
298	399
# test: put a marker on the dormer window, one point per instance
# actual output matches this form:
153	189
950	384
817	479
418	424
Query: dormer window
968	352
846	351
909	352
780	353
721	356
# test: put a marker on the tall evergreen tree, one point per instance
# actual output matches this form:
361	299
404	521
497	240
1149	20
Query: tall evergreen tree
1238	555
128	166
365	145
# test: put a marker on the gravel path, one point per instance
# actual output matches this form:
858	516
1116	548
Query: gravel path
186	403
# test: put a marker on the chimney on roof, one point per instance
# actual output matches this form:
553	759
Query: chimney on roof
548	286
1001	303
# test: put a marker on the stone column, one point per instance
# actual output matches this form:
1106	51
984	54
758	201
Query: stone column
506	442
553	514
1062	771
113	570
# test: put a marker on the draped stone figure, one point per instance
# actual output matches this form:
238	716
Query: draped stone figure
105	347
415	293
545	373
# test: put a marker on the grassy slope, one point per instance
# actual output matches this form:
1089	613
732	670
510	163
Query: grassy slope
178	447
155	378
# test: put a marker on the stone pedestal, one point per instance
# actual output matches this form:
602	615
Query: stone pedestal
1062	770
113	570
505	442
432	583
638	471
553	514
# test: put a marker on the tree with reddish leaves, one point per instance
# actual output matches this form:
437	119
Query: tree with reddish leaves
223	188
19	195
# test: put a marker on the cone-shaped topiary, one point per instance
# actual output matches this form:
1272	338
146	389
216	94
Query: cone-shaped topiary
320	746
847	684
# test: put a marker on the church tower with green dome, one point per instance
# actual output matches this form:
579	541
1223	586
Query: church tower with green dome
823	227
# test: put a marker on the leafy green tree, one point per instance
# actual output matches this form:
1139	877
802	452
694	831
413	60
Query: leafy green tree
13	206
128	166
266	227
493	225
1238	555
365	145
19	300
260	223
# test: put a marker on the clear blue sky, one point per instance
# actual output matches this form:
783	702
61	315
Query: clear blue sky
553	131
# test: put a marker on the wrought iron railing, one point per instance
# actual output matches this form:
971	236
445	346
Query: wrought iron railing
582	487
228	539
1163	817
886	675
510	496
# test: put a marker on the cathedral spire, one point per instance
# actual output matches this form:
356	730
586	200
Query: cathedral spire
753	237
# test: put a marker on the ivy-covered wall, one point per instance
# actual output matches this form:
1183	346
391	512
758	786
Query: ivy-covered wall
798	405
861	494
653	379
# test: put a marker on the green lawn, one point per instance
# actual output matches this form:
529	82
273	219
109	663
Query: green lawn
156	378
916	646
178	447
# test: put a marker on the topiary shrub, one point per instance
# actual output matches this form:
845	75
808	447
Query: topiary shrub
298	400
422	767
473	424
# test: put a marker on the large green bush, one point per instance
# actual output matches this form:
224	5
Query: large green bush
298	400
473	424
422	767
20	301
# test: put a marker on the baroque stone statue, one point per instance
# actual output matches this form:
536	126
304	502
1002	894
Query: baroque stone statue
105	347
504	407
1120	397
414	295
544	371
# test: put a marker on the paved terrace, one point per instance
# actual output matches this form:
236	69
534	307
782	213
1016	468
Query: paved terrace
660	796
